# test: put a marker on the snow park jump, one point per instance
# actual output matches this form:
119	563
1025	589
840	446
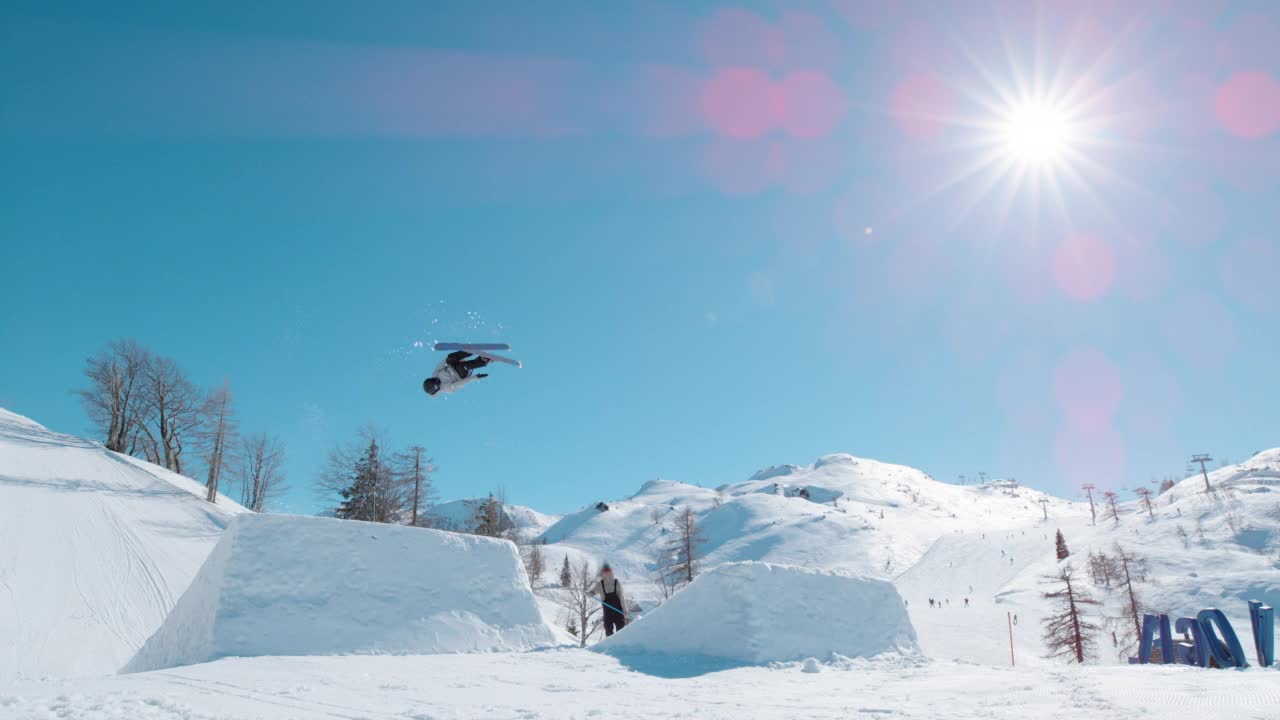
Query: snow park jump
1201	645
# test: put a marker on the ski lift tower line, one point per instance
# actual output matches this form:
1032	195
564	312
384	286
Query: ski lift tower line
1202	459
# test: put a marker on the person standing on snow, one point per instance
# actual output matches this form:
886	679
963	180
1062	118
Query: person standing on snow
609	591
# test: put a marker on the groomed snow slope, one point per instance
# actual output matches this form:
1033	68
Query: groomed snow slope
756	613
1199	550
861	516
294	585
95	549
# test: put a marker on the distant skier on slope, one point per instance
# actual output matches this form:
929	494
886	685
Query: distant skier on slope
609	592
453	372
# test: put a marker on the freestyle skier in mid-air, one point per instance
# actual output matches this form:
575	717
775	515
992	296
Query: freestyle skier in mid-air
458	367
455	371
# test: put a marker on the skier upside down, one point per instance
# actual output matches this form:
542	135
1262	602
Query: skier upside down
454	371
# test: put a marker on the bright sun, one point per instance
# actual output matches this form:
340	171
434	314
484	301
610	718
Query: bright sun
1037	134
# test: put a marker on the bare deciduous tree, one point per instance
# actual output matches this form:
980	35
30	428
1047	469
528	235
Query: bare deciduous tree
220	428
261	471
1131	569
535	563
174	412
414	469
1067	631
664	577
1111	502
584	609
685	546
113	399
1144	494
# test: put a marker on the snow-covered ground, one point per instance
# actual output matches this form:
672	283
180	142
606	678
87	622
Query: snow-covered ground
570	683
96	548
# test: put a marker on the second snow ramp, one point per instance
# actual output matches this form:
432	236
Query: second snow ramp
293	585
756	613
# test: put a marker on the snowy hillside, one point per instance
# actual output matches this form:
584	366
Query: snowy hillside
460	515
1216	549
95	549
841	513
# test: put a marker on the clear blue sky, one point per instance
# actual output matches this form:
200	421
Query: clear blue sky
720	237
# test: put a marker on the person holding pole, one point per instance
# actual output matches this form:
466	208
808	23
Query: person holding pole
609	592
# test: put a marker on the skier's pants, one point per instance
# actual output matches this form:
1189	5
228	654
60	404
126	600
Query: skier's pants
613	620
462	366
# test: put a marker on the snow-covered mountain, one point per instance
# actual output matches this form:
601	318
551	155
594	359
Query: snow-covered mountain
459	515
840	513
95	549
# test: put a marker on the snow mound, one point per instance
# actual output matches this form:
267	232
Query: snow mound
95	549
756	613
292	585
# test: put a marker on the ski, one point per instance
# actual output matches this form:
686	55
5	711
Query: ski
495	358
471	346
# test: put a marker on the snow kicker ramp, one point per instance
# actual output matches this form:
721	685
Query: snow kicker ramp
95	550
292	585
754	613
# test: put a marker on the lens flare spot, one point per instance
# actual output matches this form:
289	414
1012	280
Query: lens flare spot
1084	266
1248	105
921	105
741	103
1088	389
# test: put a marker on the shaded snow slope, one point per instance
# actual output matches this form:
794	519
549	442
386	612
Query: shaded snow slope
293	585
95	549
757	613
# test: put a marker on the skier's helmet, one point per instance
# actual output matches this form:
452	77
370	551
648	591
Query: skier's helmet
431	385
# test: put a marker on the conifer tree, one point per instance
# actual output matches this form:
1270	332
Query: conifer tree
1061	543
566	573
372	494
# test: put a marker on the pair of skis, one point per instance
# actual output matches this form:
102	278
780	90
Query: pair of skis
484	350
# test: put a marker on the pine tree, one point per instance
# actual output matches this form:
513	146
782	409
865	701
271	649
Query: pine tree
1061	542
490	518
1067	632
566	573
371	495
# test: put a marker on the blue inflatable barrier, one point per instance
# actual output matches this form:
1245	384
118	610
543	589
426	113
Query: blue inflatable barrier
1149	625
1214	640
1227	650
1200	655
1263	620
